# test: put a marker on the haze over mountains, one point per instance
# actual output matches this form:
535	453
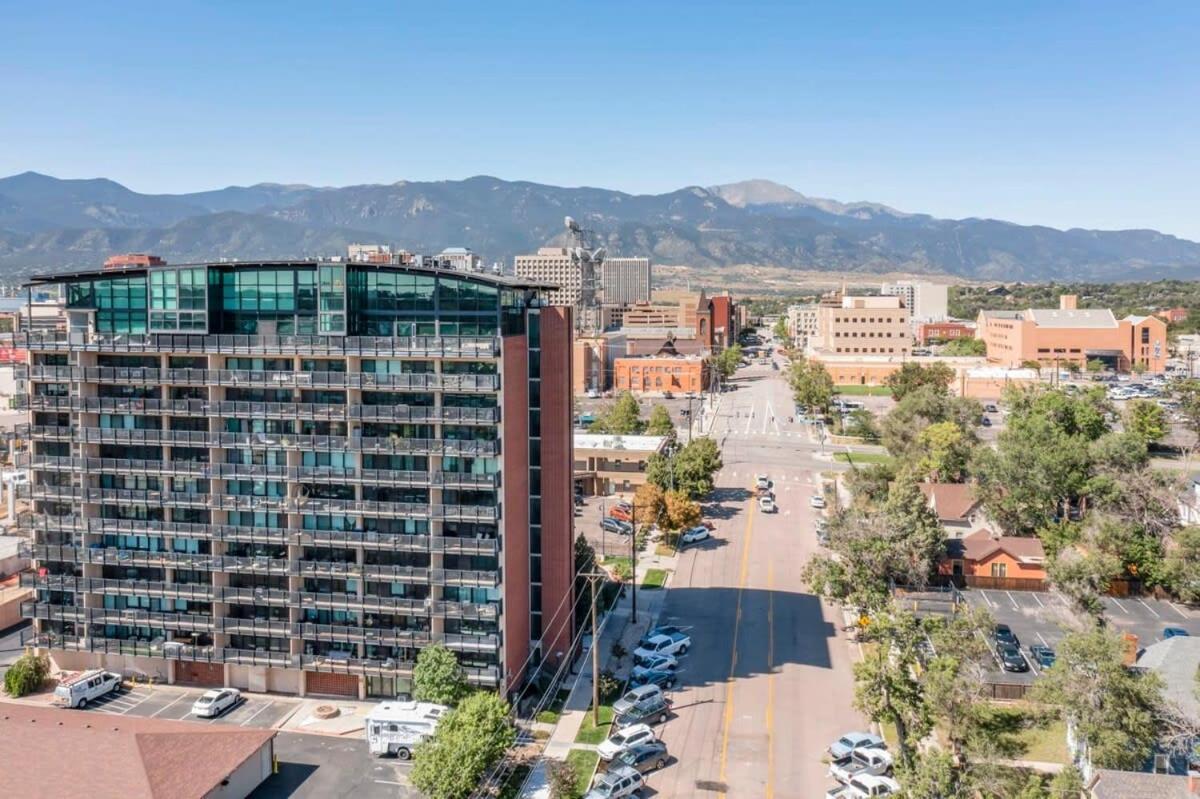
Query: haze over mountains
48	224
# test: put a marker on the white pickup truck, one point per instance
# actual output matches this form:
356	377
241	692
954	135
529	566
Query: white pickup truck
865	787
862	763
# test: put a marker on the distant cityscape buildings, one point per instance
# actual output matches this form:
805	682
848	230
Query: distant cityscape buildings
625	281
926	302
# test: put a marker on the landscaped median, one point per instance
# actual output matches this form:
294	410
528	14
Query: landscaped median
585	762
654	578
594	734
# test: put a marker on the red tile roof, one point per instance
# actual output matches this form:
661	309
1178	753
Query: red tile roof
47	751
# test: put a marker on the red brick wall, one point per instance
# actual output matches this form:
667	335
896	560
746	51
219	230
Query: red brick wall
515	364
558	516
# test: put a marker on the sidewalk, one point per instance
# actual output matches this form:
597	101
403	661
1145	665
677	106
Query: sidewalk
615	626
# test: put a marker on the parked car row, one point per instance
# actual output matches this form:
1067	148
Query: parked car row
632	749
862	766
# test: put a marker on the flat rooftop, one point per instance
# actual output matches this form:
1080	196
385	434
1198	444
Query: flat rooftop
599	441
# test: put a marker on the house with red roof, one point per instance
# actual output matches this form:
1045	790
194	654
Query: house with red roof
985	559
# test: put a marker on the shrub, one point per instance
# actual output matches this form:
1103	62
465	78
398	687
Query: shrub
562	777
26	675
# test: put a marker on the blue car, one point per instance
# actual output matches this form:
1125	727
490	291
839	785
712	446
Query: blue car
663	678
1174	632
1042	655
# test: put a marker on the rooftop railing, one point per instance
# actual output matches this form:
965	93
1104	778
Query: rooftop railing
424	346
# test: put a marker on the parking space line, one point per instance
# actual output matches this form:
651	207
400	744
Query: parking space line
987	598
1117	602
1178	610
1038	600
1147	607
1043	640
260	710
1013	600
164	707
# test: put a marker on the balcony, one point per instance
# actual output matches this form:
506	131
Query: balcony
261	410
258	595
389	636
265	379
336	601
170	650
266	628
102	585
259	657
127	617
478	579
471	643
344	664
417	346
392	445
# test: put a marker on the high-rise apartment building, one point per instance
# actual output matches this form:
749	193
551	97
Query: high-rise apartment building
292	476
926	302
557	267
625	281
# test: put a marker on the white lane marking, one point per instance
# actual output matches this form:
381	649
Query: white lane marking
1013	600
1043	640
260	710
1147	607
988	599
749	419
1178	609
388	782
1035	599
1117	602
165	707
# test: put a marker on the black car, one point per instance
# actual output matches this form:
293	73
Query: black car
986	422
1011	658
1003	634
645	757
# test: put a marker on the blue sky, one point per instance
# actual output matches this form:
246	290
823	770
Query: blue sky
1067	114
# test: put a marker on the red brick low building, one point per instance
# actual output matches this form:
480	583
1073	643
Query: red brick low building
943	331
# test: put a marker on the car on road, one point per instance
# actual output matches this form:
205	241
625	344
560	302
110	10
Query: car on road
215	702
664	678
657	663
673	644
817	500
620	740
616	526
634	697
654	709
762	482
1003	634
1042	655
863	762
767	505
616	783
645	757
851	742
694	535
1010	657
1174	632
865	787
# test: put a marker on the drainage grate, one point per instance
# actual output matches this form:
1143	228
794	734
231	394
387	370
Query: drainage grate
712	785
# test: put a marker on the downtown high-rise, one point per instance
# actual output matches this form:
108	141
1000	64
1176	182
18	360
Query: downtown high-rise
292	476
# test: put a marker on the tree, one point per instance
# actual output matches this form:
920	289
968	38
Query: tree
1111	709
920	408
912	376
1034	365
1083	577
690	469
26	675
1146	419
649	504
1183	564
1188	394
681	512
438	677
886	688
727	360
562	777
468	740
965	347
812	386
622	418
933	774
660	423
945	452
780	330
955	677
861	424
869	485
1095	365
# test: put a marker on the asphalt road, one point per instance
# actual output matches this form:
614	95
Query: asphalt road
319	766
768	682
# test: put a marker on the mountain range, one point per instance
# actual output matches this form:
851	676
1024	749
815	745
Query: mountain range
49	224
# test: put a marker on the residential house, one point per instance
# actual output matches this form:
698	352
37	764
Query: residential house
1176	661
956	507
1109	784
986	560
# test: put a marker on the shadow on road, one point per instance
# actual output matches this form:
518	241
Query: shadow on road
285	782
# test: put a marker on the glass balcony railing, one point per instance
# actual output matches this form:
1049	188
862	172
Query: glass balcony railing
126	617
244	377
101	585
420	346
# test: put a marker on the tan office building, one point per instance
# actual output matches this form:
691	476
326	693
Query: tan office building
554	266
864	326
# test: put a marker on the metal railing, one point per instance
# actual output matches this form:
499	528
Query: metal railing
248	377
263	627
431	346
104	585
394	444
170	650
373	635
128	617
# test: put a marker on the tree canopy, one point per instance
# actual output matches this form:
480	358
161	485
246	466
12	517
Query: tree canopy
726	361
438	677
468	740
912	376
622	418
688	469
812	386
659	423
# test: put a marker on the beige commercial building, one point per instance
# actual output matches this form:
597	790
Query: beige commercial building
555	266
610	464
864	326
802	321
624	281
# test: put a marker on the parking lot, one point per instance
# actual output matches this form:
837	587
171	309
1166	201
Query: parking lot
1044	618
320	766
172	703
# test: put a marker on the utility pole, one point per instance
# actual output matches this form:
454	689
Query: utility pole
633	563
595	656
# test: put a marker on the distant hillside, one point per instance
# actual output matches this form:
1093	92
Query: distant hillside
49	224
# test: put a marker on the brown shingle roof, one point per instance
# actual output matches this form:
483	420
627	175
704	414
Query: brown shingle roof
953	502
1111	784
982	544
48	751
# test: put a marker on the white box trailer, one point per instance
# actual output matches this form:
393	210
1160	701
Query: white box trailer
395	728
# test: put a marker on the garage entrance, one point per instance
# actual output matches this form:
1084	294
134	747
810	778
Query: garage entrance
203	675
320	682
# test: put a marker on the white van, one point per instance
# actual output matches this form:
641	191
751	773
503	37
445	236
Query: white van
77	691
395	728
